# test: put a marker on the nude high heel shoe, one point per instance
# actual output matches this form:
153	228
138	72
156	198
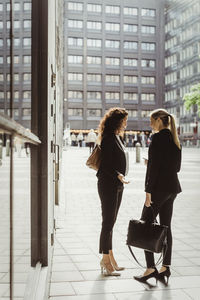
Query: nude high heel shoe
106	270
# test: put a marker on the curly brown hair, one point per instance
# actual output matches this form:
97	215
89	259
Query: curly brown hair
111	121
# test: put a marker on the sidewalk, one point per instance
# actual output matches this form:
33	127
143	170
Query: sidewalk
76	272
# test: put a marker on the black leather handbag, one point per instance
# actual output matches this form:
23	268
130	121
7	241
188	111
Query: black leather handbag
148	236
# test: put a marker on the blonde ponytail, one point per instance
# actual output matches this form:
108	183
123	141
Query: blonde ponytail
174	131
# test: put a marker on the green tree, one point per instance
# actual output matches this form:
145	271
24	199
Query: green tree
193	97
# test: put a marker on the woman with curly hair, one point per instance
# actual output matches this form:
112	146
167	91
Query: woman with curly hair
111	177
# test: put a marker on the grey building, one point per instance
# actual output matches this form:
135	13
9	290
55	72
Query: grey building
21	61
114	56
182	61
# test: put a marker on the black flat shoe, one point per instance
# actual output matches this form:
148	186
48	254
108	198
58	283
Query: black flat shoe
162	275
143	279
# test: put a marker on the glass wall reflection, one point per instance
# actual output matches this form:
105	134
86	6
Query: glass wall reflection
21	216
4	215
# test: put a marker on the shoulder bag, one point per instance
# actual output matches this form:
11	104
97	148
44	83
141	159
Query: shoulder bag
94	159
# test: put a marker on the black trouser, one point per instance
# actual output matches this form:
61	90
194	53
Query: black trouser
110	195
163	206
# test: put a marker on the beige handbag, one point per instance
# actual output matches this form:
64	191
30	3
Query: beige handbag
94	159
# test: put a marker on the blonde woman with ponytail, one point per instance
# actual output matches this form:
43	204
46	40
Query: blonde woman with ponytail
161	186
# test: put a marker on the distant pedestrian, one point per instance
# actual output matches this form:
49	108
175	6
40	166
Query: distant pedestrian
80	139
161	186
73	139
91	139
113	168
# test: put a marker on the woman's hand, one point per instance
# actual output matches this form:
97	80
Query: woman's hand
122	179
148	201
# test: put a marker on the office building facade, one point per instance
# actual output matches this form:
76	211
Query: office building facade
182	62
114	56
21	60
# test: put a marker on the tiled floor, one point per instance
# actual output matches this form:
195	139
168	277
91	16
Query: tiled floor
75	271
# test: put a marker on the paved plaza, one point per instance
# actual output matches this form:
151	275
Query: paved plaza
76	271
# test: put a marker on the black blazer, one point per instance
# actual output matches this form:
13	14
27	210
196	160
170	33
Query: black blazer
113	160
164	162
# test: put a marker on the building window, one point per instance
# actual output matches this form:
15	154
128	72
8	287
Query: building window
16	95
1	95
75	42
94	96
1	77
16	77
112	9
27	6
112	96
148	63
1	24
130	11
1	7
27	23
112	44
26	94
16	59
94	60
94	113
8	24
130	28
148	97
16	24
1	42
130	45
26	59
146	12
27	76
148	29
148	46
112	27
130	79
75	112
93	78
94	43
76	24
96	8
26	112
130	96
145	113
75	77
132	113
130	62
75	95
148	80
75	59
15	113
8	59
171	77
112	78
93	25
112	61
1	59
16	6
76	6
8	77
8	95
27	42
17	42
171	43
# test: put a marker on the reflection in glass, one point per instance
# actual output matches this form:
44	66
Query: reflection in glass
21	216
4	216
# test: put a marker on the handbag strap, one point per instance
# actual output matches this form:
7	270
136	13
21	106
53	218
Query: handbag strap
160	259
